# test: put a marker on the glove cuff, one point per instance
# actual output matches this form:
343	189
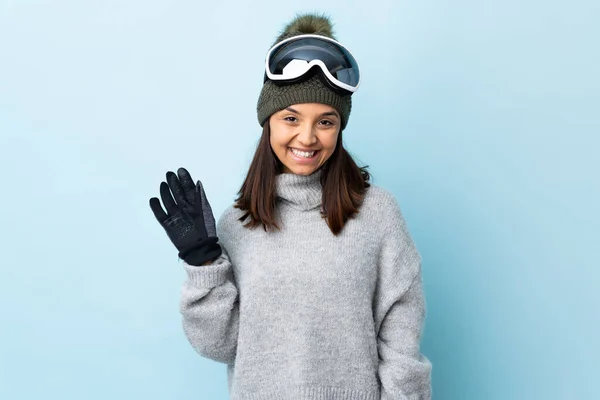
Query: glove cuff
202	251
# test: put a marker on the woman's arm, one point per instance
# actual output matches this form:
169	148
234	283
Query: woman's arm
400	311
210	309
209	299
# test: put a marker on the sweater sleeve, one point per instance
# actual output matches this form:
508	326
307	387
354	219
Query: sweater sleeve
210	309
404	373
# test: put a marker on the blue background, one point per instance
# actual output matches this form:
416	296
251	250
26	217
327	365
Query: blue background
480	116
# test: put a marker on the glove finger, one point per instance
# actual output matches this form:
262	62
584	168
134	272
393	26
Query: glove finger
167	199
209	219
188	184
157	209
176	189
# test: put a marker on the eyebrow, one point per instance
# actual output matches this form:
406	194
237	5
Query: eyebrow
325	114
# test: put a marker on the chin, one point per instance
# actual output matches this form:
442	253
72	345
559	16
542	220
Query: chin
299	170
304	172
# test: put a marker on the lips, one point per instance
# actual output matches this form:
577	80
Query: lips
303	155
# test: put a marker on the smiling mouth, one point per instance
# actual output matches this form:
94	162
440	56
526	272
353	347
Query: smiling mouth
303	154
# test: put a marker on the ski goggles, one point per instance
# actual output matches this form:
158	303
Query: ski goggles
291	59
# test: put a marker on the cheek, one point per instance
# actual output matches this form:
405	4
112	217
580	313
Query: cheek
279	136
272	142
275	139
329	143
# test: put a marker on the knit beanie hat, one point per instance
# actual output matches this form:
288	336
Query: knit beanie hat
275	97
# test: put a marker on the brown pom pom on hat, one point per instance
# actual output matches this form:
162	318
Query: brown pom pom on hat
274	97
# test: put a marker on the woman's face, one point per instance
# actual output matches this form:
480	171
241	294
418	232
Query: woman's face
304	136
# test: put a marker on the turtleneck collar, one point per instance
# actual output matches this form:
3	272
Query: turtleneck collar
303	191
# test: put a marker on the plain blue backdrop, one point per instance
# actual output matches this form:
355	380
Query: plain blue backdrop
480	116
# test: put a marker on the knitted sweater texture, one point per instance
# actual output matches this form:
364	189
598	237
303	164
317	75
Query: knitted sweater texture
301	314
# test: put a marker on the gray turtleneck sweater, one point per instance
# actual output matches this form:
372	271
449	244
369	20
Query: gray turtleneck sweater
301	314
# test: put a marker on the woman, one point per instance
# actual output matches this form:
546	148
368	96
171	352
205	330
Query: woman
313	288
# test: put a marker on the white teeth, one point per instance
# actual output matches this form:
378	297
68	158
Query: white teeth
304	154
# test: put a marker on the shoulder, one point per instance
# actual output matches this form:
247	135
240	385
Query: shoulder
381	206
380	200
393	229
229	219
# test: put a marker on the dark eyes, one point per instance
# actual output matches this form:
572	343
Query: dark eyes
323	122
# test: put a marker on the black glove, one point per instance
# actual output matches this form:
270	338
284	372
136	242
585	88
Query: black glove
189	221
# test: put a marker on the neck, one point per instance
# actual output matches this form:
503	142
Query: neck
303	191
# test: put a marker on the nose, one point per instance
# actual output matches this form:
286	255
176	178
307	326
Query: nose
307	135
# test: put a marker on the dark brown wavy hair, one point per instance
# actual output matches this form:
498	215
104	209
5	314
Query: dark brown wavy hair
344	185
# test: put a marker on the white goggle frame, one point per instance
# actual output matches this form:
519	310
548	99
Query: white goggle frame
302	67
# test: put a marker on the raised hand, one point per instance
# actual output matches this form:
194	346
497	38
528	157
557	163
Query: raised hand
188	220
